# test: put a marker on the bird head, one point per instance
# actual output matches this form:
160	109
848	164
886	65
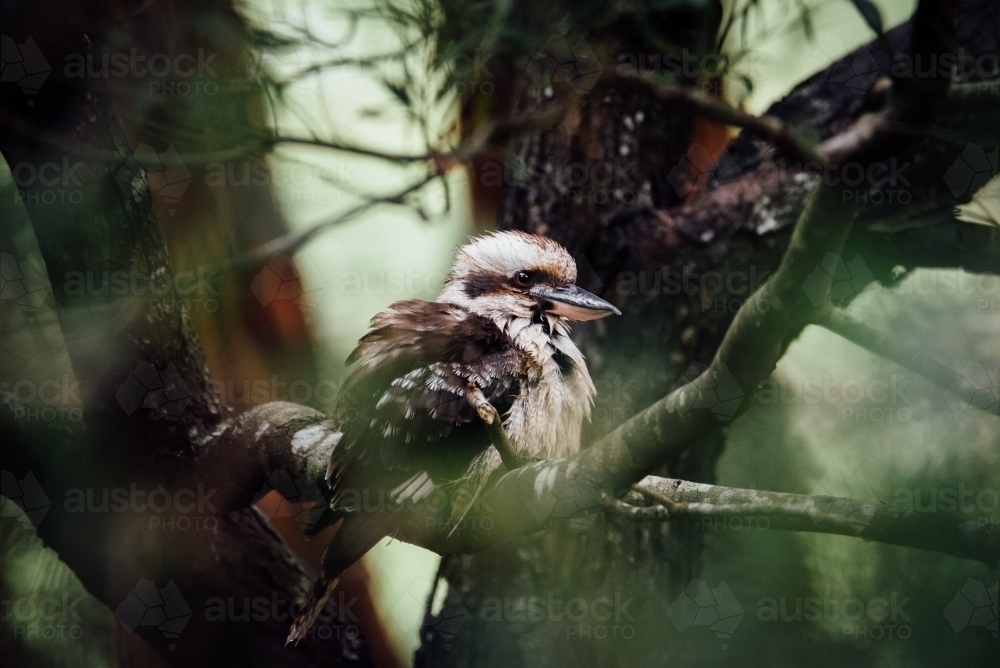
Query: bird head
507	275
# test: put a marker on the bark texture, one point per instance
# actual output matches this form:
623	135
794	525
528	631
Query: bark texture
148	405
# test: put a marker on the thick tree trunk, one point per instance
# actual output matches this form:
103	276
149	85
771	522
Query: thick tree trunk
148	405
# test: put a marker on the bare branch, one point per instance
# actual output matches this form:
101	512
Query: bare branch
715	109
293	241
965	538
885	346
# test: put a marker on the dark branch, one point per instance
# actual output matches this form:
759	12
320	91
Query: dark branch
699	103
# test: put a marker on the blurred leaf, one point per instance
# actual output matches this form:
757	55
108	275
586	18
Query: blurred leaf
265	40
871	14
807	23
399	90
746	81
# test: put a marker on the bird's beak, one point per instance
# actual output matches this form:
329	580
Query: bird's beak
572	302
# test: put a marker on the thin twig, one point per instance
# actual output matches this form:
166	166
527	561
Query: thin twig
715	109
855	331
289	243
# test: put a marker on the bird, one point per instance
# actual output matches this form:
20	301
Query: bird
430	376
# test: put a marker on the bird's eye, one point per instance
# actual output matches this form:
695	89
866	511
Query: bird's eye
522	279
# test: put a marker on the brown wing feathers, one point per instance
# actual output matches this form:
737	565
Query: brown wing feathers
408	392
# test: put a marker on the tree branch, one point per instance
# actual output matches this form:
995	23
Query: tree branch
545	491
972	538
885	346
699	103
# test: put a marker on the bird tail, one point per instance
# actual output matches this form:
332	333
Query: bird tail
313	606
353	539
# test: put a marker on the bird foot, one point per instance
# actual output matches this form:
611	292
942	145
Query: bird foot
486	411
488	414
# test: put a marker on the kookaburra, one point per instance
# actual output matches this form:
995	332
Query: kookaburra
500	327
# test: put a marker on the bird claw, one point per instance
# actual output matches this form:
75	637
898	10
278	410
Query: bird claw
487	413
